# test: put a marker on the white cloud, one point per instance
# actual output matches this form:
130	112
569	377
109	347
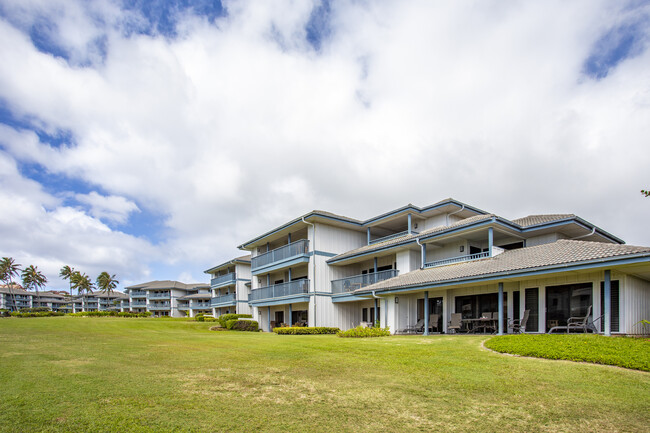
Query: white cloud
237	126
112	208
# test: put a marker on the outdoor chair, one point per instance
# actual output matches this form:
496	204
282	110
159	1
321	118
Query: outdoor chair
433	322
418	327
518	326
455	323
577	323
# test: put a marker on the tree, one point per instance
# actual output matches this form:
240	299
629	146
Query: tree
106	283
645	193
8	270
66	273
83	284
33	278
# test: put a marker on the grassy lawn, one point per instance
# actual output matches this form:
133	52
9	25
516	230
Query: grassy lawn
110	374
622	352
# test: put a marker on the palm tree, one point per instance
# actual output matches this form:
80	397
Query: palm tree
66	273
33	278
8	270
106	283
83	284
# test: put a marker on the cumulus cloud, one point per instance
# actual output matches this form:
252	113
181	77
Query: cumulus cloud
239	123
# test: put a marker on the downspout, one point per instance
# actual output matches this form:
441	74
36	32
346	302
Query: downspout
422	253
314	267
587	235
450	214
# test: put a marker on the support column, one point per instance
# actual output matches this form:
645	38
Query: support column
375	267
500	308
268	280
385	313
290	316
607	308
426	313
289	238
490	240
409	217
423	254
289	275
368	232
268	319
376	305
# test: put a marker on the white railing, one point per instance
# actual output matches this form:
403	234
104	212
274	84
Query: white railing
457	259
287	251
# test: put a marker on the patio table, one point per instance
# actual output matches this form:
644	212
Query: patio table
471	324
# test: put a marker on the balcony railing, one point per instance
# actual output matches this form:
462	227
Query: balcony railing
223	279
457	259
138	293
223	299
297	287
161	306
138	304
159	295
350	284
291	250
393	236
195	305
182	306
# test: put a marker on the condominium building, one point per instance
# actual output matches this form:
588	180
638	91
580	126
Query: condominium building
407	264
168	298
230	283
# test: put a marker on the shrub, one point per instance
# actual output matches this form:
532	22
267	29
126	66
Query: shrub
37	314
199	317
242	325
306	330
362	332
109	313
209	319
34	310
226	317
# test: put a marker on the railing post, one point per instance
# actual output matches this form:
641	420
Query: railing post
426	313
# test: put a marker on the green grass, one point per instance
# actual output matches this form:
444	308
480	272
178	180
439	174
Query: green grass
619	351
76	374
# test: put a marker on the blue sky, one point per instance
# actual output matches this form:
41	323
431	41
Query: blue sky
150	138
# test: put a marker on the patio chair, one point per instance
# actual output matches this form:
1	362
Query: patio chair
456	322
518	326
578	323
418	327
433	322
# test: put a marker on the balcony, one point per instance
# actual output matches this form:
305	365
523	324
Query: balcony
161	306
393	236
183	306
457	259
224	300
139	304
293	291
287	255
223	280
200	305
138	293
350	284
159	295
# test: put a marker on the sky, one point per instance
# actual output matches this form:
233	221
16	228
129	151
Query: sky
149	139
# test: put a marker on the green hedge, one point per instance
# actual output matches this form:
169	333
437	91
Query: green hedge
307	330
34	310
362	332
37	314
224	318
109	313
242	325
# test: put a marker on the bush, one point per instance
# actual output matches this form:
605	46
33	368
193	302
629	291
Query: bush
109	313
226	317
209	319
199	317
242	325
306	330
362	332
34	310
37	314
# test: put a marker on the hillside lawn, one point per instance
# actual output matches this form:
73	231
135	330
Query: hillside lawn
79	374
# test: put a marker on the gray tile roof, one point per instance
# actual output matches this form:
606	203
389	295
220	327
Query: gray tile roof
245	259
538	257
409	238
167	284
195	296
532	220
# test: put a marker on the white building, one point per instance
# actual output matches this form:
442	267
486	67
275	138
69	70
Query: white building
230	283
166	298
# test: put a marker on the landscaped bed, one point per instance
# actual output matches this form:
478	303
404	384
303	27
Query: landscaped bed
627	352
65	374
